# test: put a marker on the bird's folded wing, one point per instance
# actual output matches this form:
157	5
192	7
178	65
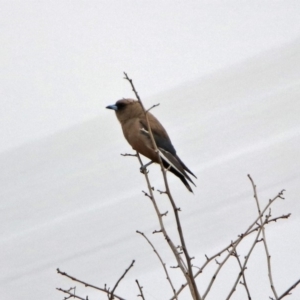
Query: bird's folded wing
163	143
161	137
171	160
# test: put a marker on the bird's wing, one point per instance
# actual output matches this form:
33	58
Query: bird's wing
165	147
160	135
164	144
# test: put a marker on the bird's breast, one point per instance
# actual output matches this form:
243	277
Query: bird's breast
138	139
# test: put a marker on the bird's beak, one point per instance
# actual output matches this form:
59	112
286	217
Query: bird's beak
114	107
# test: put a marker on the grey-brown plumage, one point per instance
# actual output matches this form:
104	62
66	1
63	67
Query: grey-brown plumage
134	125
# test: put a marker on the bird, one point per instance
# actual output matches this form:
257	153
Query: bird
131	115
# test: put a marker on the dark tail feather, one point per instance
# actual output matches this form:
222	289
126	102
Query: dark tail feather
185	167
182	177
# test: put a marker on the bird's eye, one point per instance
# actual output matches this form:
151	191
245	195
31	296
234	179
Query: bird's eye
120	105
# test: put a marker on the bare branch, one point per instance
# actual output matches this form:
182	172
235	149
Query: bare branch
222	264
153	106
180	262
133	89
288	291
71	295
105	290
189	275
161	261
141	290
264	239
243	267
116	285
244	283
240	237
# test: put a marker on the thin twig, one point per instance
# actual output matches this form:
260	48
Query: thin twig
264	239
128	154
87	284
71	295
155	105
288	291
141	290
244	283
161	261
243	267
133	89
116	285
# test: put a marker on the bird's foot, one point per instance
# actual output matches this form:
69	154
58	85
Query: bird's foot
143	169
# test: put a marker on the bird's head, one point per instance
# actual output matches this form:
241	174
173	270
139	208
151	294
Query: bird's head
126	109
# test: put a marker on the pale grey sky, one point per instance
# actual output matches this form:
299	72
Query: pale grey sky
71	201
62	61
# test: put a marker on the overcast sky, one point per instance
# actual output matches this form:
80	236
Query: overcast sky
62	61
71	201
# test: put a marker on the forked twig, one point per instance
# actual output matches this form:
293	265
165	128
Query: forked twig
161	261
245	263
87	284
244	283
71	295
264	239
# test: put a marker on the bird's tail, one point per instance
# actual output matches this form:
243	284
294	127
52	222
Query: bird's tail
177	167
185	167
183	177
